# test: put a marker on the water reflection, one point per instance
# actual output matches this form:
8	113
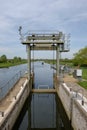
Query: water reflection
62	121
43	75
43	111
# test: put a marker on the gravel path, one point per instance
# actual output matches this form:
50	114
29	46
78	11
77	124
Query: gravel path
73	83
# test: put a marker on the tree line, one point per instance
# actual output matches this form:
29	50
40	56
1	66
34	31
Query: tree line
4	59
79	59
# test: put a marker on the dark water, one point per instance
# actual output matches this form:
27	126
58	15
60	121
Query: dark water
42	111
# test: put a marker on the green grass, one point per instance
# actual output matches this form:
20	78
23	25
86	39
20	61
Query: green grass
83	84
8	64
84	76
84	73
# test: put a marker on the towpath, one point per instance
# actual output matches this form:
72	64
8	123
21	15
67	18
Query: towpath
7	100
71	82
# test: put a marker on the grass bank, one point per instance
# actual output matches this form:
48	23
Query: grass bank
84	73
83	84
8	64
84	77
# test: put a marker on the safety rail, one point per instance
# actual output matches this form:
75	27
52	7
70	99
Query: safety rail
46	37
9	84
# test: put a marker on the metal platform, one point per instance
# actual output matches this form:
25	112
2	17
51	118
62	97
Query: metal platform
45	40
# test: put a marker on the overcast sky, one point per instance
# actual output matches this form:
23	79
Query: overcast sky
68	16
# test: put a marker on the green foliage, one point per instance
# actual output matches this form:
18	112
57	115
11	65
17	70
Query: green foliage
65	61
83	84
4	62
84	73
17	59
3	59
80	58
50	61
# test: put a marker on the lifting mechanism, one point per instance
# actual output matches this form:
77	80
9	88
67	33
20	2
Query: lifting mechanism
45	40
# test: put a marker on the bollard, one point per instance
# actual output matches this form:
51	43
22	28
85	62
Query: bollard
15	97
82	102
70	89
2	113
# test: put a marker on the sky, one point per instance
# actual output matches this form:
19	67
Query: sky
68	16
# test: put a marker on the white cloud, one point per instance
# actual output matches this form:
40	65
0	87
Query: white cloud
69	16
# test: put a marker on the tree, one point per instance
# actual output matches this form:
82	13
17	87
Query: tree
80	58
3	58
17	59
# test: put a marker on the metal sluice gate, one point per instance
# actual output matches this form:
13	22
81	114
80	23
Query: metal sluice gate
45	40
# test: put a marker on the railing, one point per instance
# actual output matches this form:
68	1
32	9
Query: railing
8	85
78	94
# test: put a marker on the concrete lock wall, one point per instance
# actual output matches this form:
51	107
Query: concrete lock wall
79	116
14	109
76	111
64	95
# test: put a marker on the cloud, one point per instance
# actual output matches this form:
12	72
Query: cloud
69	16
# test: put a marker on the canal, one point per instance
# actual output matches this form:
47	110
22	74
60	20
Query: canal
42	111
9	76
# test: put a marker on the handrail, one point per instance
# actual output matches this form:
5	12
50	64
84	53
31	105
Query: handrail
9	84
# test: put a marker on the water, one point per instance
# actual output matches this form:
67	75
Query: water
7	73
43	75
9	76
42	111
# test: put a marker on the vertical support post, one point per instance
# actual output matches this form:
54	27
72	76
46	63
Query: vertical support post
33	59
57	59
29	60
29	113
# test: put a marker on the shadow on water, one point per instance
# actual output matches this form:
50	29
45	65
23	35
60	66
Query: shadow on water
37	116
63	123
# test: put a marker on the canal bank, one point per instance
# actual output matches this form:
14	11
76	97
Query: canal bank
74	103
12	103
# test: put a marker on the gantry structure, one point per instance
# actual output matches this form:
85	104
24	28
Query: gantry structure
45	40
